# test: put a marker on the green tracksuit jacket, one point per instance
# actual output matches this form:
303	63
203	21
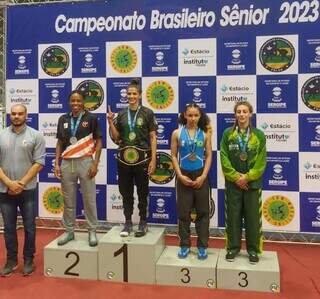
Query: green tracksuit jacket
240	204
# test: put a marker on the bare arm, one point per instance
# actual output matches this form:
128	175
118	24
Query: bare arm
31	173
93	170
57	171
114	132
153	145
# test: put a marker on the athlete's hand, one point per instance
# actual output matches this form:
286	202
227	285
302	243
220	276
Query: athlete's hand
151	167
57	171
14	188
93	170
199	182
242	182
110	115
186	181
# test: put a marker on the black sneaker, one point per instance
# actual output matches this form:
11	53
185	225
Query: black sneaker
9	267
142	229
253	258
28	267
127	229
230	256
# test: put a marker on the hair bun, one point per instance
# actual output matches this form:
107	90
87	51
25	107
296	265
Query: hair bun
135	81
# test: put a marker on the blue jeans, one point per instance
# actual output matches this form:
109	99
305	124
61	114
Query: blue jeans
26	201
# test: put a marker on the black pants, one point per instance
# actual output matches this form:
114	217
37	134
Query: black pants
128	176
187	198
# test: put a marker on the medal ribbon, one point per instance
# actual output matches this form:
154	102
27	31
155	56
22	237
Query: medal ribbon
243	143
131	123
74	126
192	146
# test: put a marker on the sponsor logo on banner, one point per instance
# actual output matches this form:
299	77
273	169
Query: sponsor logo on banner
53	200
116	202
316	222
230	91
160	94
277	54
88	66
236	63
280	133
276	98
312	171
49	129
314	44
164	172
22	67
161	210
316	142
310	93
278	179
124	59
197	97
278	210
159	64
55	61
55	100
197	57
93	94
21	96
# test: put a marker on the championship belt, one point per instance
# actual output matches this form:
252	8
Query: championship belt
132	155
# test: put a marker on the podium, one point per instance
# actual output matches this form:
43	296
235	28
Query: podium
190	272
147	260
241	275
130	259
76	259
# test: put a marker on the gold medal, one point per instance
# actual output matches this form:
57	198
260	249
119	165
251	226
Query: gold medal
192	157
243	156
132	136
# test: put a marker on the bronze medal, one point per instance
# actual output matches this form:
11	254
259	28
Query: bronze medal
243	156
192	157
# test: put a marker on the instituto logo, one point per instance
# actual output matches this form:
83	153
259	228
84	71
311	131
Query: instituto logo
277	54
55	61
160	94
278	210
93	94
197	57
53	200
124	59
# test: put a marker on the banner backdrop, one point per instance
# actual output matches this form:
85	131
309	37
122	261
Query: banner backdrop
213	53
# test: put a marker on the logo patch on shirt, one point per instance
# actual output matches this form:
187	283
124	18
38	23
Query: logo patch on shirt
233	146
65	125
85	124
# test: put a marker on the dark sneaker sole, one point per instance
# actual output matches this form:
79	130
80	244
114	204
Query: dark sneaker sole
28	274
9	274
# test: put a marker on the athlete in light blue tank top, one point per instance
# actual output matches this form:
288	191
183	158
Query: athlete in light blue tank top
191	150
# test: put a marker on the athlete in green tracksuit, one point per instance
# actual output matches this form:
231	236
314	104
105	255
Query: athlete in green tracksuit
243	161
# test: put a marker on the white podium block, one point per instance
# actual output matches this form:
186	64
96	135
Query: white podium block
241	275
191	272
76	259
130	259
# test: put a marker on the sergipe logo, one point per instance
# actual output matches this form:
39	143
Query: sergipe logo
277	172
